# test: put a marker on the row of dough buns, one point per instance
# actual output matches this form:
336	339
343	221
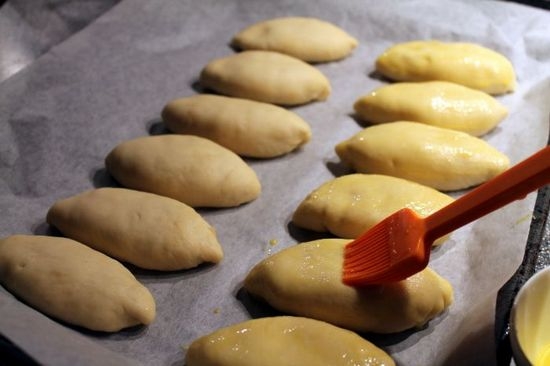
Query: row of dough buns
270	70
400	164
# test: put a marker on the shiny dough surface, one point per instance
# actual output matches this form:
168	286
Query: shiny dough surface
74	283
349	205
284	340
309	39
463	63
246	127
436	103
145	229
436	157
306	280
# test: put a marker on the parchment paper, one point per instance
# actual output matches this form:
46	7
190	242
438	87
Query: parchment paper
61	116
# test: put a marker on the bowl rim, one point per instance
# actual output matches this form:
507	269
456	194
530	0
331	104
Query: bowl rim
519	355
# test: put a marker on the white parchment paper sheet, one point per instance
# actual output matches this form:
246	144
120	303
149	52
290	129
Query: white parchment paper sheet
60	117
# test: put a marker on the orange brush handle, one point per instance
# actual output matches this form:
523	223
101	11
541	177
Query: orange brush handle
515	183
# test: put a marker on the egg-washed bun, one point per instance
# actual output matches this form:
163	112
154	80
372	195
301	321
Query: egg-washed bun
309	39
73	283
433	156
436	103
306	280
246	127
265	76
284	340
145	229
190	169
349	205
468	64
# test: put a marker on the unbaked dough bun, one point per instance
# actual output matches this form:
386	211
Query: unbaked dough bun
468	64
190	169
266	76
74	283
309	39
284	340
436	103
306	280
433	156
246	127
349	205
145	229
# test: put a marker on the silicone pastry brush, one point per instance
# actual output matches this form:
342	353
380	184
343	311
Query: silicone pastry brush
399	246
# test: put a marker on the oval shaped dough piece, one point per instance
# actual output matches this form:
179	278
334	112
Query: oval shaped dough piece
145	229
436	157
74	283
468	64
265	76
348	206
190	169
309	39
306	280
284	340
246	127
436	103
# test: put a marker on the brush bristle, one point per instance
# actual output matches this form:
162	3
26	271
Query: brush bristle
388	252
369	254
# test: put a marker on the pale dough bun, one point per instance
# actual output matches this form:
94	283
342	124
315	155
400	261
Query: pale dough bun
348	206
309	39
306	280
265	76
284	340
246	127
145	229
468	64
436	103
74	283
190	169
433	156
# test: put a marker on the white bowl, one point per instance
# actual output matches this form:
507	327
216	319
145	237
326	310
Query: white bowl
530	322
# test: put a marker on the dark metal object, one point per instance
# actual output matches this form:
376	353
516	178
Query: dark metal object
536	257
544	4
10	354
